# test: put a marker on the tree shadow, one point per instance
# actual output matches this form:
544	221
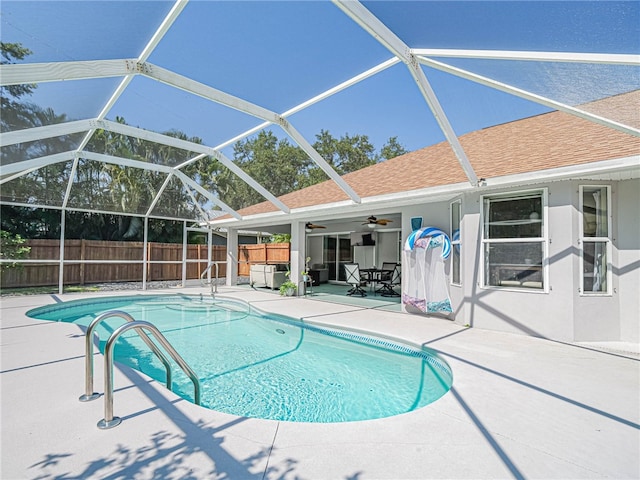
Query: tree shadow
477	421
166	455
169	455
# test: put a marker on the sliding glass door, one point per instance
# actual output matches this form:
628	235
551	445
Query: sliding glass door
337	252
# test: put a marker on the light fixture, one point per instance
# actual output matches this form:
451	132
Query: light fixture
371	225
308	230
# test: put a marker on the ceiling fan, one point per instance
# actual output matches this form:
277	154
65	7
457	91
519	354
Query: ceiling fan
312	226
373	221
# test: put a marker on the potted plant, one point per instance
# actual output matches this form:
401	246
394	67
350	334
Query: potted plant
288	288
305	272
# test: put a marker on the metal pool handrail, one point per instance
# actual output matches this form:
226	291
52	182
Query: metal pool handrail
109	421
88	363
214	285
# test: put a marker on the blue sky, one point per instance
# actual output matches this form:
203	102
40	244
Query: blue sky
279	54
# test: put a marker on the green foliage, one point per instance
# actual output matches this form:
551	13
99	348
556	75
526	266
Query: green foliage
44	223
347	154
12	247
286	286
392	149
30	222
274	163
281	167
280	238
133	190
11	52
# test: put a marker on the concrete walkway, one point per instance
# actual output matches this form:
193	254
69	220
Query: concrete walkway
520	407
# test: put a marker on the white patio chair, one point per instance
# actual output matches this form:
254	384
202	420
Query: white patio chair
352	272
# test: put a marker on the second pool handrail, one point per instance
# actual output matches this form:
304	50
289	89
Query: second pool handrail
109	421
214	283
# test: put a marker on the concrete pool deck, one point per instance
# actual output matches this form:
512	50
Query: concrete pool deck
520	407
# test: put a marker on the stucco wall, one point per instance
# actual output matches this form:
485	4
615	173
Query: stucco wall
536	313
433	215
595	317
627	245
562	312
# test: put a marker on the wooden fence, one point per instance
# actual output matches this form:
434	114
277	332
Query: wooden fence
269	253
90	251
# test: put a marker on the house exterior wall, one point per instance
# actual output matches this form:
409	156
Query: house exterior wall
387	248
627	245
595	317
434	215
561	312
315	249
524	311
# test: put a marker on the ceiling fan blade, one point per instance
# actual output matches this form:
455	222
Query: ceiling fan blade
372	220
313	225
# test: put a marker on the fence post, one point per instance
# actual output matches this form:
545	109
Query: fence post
82	258
149	270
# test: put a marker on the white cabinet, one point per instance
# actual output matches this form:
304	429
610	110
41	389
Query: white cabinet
364	255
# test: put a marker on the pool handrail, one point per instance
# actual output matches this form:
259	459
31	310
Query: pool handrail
88	363
109	421
214	285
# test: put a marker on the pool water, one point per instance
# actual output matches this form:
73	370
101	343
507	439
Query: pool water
274	367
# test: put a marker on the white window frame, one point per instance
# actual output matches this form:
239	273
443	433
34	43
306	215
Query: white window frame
606	240
544	239
456	243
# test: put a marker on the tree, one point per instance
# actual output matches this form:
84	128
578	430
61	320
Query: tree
47	184
132	190
355	153
282	167
392	149
30	222
274	163
348	154
344	155
15	113
12	247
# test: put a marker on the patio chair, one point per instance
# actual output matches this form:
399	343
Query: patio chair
352	272
387	270
387	289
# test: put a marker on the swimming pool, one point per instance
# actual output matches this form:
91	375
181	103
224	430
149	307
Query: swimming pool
268	366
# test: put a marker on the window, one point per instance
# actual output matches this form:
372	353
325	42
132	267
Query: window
514	240
455	242
595	202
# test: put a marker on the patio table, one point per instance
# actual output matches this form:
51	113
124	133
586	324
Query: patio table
374	275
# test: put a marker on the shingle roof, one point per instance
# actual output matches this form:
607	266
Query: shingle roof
550	140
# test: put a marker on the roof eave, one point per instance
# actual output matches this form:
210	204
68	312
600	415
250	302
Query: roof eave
389	202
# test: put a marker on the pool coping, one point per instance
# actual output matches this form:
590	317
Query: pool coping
519	407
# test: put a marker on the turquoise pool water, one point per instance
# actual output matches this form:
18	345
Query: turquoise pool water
257	365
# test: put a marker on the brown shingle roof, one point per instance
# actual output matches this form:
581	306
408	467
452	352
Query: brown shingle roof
545	141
